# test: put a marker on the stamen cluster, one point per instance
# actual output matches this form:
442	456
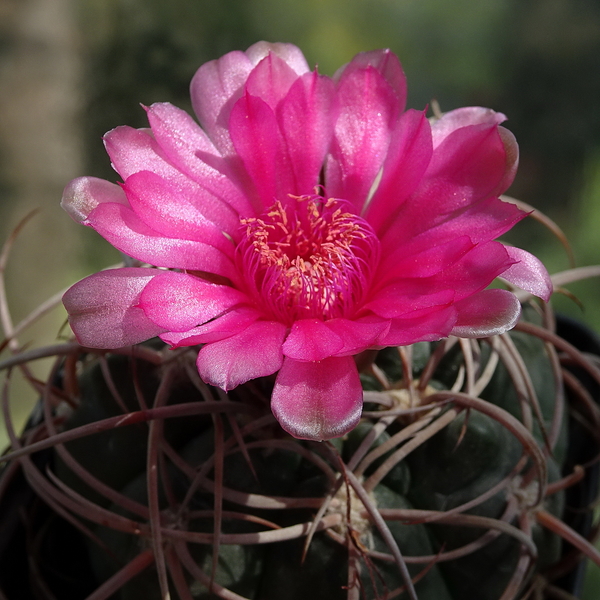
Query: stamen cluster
308	258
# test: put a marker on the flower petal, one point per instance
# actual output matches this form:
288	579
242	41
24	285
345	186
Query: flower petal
312	340
178	301
472	271
408	157
482	221
358	335
215	88
120	226
429	327
175	212
317	400
368	113
306	118
425	259
409	298
489	312
463	117
222	327
473	160
104	308
83	194
528	273
188	148
386	63
132	150
290	54
270	80
257	140
254	352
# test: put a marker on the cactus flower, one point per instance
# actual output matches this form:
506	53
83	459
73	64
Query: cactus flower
302	220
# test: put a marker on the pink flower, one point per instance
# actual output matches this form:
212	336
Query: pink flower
304	220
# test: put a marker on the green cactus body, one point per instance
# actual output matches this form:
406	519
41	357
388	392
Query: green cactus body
458	464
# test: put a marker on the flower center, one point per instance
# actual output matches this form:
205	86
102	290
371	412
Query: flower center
308	258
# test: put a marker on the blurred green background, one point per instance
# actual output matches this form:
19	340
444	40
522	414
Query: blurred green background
72	69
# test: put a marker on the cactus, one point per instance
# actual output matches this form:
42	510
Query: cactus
452	486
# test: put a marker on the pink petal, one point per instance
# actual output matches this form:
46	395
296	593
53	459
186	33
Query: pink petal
83	194
368	113
171	211
188	148
254	352
407	160
290	54
317	400
229	324
424	260
306	118
178	301
414	297
215	88
358	335
311	339
511	149
482	221
386	63
486	313
475	270
410	299
257	140
429	327
528	273
471	159
270	80
120	226
133	150
463	117
104	312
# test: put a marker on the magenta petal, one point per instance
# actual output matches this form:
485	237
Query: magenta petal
486	313
125	231
254	352
358	335
425	260
84	194
256	138
473	161
408	157
188	148
133	150
103	308
175	212
290	54
311	339
483	221
463	117
270	80
528	273
387	63
222	327
368	113
214	89
410	299
318	400
306	118
425	328
511	148
178	301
